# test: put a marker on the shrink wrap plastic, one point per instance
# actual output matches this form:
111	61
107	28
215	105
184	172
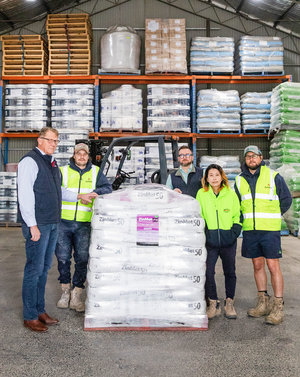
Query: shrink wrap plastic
27	107
285	107
168	107
165	45
212	55
260	55
122	109
285	158
230	164
8	197
256	111
218	110
120	50
147	260
72	113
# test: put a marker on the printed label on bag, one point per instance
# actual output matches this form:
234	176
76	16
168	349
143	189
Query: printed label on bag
148	230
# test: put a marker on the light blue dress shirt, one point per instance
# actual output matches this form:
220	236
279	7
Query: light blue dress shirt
184	176
27	174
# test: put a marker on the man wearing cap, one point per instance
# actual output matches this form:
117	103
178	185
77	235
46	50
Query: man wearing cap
264	198
187	178
79	176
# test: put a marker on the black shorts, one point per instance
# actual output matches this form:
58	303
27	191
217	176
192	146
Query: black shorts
260	243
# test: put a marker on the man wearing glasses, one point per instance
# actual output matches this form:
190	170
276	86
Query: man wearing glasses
264	198
187	178
39	198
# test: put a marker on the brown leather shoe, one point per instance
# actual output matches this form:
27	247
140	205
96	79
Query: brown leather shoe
35	325
45	318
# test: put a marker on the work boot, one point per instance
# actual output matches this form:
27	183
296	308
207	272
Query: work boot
76	302
262	307
213	309
229	310
276	315
63	302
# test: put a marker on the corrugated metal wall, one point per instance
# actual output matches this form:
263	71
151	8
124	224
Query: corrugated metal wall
133	13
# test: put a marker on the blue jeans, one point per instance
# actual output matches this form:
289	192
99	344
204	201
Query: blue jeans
227	255
73	235
39	255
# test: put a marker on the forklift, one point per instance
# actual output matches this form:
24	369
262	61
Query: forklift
101	154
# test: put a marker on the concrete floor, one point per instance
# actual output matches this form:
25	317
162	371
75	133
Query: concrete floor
235	348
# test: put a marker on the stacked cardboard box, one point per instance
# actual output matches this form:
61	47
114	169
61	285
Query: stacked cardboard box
25	55
165	48
69	37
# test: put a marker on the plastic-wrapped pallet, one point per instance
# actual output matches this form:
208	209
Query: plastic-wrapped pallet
147	261
256	111
168	107
285	107
291	174
165	45
230	164
218	111
8	197
152	159
260	55
122	109
212	55
72	114
133	164
120	50
27	107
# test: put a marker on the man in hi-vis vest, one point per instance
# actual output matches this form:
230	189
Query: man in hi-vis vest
264	197
79	176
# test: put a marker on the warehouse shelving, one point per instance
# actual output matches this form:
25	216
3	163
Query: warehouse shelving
120	79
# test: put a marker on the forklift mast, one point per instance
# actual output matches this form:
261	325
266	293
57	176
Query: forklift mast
100	153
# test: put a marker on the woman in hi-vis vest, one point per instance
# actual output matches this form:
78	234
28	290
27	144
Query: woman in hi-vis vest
220	208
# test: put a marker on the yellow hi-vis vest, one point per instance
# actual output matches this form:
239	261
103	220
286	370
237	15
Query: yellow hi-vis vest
264	213
83	184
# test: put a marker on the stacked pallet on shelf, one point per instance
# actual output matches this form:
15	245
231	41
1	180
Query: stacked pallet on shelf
72	114
24	55
27	107
165	45
8	197
285	146
256	109
70	37
218	111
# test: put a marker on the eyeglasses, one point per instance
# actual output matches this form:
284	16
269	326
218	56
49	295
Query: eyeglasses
252	156
185	155
50	140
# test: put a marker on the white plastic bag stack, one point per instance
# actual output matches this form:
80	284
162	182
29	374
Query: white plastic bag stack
152	159
218	110
134	164
120	50
72	114
256	110
147	260
8	196
27	107
230	164
122	109
212	55
260	55
168	107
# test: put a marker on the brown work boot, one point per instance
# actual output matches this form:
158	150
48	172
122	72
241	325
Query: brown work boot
213	309
229	311
276	315
262	307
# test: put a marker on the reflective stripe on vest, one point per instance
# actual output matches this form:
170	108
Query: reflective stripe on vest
266	214
71	180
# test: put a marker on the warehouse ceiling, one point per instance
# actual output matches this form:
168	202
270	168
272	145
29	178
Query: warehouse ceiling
284	15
